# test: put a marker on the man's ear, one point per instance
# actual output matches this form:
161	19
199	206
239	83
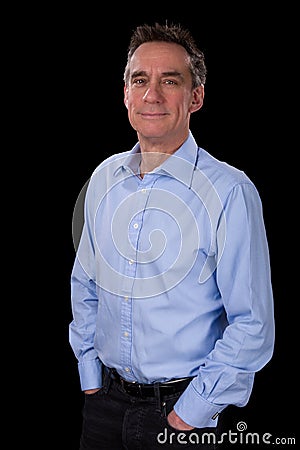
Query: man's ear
197	99
126	96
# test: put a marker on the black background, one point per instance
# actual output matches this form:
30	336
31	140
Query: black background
80	119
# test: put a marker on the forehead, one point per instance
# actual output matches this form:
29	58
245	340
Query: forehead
166	56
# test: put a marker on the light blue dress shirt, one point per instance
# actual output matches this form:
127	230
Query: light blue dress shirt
172	279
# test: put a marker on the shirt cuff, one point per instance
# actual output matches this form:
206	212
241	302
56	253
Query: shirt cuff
90	373
195	410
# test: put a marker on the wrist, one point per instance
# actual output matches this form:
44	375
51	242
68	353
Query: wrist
91	391
176	422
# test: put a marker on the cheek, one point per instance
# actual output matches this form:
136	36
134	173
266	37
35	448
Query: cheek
132	105
130	113
126	99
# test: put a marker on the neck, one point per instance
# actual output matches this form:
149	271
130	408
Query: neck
154	152
151	160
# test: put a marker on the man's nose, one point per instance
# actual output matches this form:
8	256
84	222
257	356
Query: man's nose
153	93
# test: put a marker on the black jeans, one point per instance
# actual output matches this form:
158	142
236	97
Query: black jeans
113	420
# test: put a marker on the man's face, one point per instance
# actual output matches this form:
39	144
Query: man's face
159	95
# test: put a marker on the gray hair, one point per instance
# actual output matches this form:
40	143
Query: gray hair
169	33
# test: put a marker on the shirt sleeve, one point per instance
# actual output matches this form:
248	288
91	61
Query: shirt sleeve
243	278
84	301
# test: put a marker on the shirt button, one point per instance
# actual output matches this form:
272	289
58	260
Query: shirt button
131	261
127	369
144	190
126	334
136	225
126	298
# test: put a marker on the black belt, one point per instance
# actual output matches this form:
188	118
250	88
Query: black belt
150	390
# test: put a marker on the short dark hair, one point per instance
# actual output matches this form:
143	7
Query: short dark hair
176	34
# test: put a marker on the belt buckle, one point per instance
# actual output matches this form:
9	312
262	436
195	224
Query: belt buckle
131	388
136	389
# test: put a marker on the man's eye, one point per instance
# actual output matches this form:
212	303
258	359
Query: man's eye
138	81
170	82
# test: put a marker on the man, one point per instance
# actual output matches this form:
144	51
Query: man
171	288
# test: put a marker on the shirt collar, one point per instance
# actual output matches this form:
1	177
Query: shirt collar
130	161
180	165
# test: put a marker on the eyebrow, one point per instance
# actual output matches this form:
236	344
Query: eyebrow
171	73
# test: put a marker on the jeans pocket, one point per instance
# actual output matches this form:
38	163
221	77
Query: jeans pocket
98	393
169	402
